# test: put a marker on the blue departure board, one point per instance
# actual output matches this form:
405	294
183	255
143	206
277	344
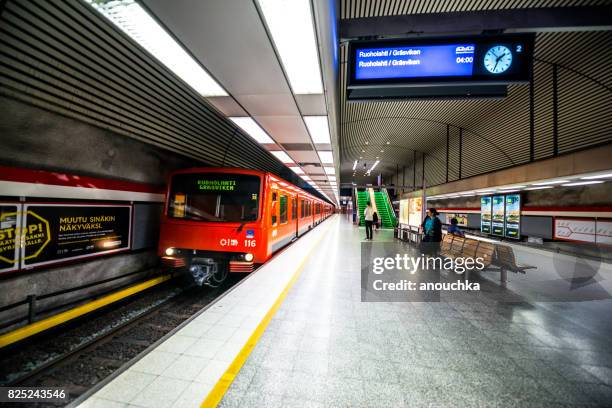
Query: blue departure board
414	62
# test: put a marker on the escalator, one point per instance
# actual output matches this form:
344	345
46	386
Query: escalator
385	210
362	199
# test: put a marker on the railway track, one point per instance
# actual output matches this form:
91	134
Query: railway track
84	355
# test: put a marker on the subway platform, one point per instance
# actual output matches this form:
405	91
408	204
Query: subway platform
296	333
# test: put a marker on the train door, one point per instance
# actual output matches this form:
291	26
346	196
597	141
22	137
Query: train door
273	221
294	214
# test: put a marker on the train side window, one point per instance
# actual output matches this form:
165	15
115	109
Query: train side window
273	209
293	208
303	209
283	209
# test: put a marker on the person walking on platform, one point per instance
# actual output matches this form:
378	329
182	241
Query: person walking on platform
375	219
368	214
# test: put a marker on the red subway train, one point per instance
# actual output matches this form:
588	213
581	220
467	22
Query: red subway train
222	220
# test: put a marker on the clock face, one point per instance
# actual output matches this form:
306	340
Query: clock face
498	59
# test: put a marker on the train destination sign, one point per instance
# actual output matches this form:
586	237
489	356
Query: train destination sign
475	59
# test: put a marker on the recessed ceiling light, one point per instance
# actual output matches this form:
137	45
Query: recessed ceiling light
382	151
388	142
510	188
597	176
509	191
355	165
546	183
326	157
247	124
332	178
582	183
538	188
132	19
282	156
291	25
318	128
296	170
367	142
330	170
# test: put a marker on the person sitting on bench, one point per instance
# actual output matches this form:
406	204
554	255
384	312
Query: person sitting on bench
454	229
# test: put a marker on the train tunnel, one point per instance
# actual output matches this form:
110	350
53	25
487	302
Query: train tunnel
352	203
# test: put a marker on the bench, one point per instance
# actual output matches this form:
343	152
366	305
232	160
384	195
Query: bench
502	256
506	261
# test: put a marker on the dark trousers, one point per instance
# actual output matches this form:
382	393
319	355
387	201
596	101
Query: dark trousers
368	229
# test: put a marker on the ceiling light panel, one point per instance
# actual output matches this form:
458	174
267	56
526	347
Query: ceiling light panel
292	28
133	20
318	129
598	176
326	157
330	171
582	183
282	156
296	170
252	129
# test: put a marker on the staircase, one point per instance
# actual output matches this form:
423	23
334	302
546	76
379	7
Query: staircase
384	209
362	199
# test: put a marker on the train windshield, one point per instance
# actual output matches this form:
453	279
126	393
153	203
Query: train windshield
216	197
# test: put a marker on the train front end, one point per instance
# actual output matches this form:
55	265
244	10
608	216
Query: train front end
212	223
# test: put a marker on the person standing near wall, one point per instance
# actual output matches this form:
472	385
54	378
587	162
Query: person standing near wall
368	215
432	232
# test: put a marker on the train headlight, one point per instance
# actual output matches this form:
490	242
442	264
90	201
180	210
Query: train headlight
170	251
248	257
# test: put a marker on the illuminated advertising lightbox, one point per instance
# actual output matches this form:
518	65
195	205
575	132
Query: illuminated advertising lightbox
10	231
475	59
513	216
497	221
485	214
415	214
404	211
462	219
59	232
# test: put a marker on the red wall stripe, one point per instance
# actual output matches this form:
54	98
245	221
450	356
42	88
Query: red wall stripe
70	180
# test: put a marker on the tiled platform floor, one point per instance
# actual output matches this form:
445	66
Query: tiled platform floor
325	347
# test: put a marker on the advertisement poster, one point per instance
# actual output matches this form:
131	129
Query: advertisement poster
415	216
485	214
59	232
462	219
404	211
10	222
497	222
513	216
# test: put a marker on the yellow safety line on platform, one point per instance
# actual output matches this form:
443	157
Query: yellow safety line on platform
218	392
45	324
